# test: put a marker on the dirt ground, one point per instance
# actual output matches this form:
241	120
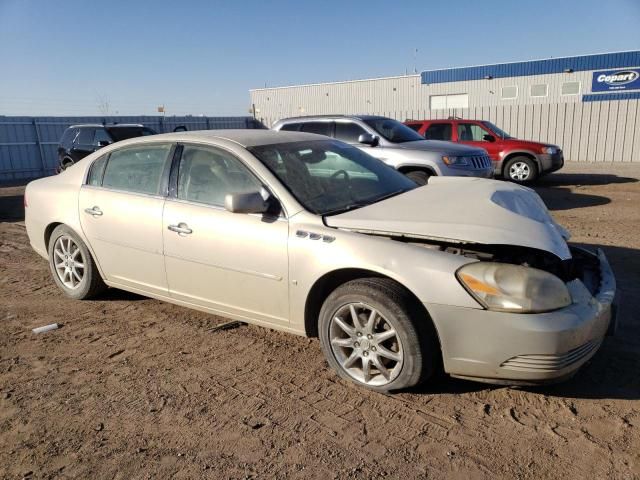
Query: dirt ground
131	387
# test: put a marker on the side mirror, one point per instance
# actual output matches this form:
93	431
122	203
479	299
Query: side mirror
368	139
103	143
489	138
251	202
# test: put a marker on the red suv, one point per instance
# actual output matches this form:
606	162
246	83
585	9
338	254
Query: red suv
520	161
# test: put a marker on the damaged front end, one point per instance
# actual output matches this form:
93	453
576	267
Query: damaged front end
583	264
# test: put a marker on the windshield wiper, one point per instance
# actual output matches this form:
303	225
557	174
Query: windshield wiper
364	203
346	208
388	195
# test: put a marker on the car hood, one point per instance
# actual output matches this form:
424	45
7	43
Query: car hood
528	144
450	148
463	210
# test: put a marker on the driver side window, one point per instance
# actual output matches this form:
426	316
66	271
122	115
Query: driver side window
207	175
470	132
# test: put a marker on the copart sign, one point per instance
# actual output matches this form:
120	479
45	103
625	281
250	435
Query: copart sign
614	80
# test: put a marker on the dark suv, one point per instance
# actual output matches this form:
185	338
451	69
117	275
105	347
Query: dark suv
78	141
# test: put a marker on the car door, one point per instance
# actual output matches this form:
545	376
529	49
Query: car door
231	263
349	131
120	210
471	133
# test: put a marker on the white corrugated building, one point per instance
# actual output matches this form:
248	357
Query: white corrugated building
589	105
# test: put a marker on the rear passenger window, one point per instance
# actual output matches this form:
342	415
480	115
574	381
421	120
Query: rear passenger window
101	136
348	132
86	136
438	131
137	170
290	127
321	128
413	126
97	169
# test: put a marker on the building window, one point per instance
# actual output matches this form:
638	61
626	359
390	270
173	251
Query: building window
570	88
441	102
539	90
509	93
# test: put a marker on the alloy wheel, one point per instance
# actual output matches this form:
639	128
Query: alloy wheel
365	344
520	171
69	262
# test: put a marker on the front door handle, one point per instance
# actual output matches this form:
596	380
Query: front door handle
95	211
181	229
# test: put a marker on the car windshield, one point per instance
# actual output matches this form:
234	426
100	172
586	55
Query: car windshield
329	177
498	131
123	133
392	130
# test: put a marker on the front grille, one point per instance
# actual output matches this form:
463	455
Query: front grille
480	162
550	363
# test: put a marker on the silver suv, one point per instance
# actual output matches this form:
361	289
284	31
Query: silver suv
397	145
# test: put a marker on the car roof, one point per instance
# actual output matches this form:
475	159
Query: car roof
108	125
337	116
431	120
243	137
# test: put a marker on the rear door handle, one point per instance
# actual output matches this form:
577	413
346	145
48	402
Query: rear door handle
181	229
95	211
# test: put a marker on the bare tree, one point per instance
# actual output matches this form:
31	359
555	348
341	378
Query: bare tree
103	104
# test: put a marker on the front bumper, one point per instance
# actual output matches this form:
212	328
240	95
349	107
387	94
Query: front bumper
501	347
467	172
551	163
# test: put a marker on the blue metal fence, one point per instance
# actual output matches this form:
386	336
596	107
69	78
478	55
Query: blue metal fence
28	145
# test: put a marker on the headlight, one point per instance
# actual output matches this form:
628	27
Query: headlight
454	161
513	288
550	150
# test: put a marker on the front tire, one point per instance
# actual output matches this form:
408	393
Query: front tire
72	266
521	170
373	333
419	176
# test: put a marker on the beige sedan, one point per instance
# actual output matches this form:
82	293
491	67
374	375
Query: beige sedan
312	236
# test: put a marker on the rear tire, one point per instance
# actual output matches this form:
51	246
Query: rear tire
521	170
66	163
419	176
72	266
373	333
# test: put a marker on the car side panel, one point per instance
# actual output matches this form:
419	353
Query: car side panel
427	273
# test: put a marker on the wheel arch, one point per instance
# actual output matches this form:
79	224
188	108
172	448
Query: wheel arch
404	169
520	153
327	283
48	231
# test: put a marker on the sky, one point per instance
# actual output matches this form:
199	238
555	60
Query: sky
127	57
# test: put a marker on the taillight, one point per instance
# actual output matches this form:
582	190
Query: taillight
25	200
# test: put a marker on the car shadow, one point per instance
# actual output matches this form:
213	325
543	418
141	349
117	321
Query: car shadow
559	198
579	179
117	295
558	190
613	372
